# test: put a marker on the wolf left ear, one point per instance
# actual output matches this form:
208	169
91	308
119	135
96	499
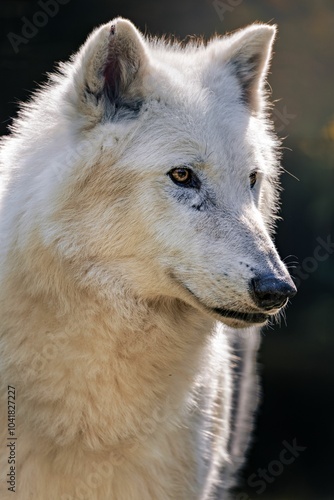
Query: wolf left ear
248	53
108	71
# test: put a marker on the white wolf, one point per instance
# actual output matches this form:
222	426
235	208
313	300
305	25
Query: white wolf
138	193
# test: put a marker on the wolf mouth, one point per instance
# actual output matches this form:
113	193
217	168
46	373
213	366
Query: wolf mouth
242	316
245	317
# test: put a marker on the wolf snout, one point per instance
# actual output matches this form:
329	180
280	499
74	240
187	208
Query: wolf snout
270	292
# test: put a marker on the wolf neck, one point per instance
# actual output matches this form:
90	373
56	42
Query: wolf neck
123	360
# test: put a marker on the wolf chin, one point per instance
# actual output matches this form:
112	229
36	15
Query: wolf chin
138	197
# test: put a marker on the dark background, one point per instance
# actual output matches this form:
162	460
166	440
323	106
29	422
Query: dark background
297	362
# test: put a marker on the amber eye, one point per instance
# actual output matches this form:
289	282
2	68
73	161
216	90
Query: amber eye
181	175
252	179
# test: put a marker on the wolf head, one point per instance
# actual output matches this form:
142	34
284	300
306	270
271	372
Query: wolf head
168	170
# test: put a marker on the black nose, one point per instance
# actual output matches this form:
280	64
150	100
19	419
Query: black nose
269	292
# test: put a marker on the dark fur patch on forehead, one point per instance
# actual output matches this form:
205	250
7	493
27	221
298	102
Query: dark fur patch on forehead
123	109
118	108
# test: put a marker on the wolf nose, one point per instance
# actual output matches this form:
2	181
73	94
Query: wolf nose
269	292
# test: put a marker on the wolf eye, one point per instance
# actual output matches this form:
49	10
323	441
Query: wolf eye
252	179
182	176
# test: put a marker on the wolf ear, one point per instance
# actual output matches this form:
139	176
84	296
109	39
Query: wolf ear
108	71
248	54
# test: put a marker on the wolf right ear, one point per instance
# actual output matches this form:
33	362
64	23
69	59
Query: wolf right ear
247	53
108	71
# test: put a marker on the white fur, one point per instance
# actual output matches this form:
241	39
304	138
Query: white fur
124	379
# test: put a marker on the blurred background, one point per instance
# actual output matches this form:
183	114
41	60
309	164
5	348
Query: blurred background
297	358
